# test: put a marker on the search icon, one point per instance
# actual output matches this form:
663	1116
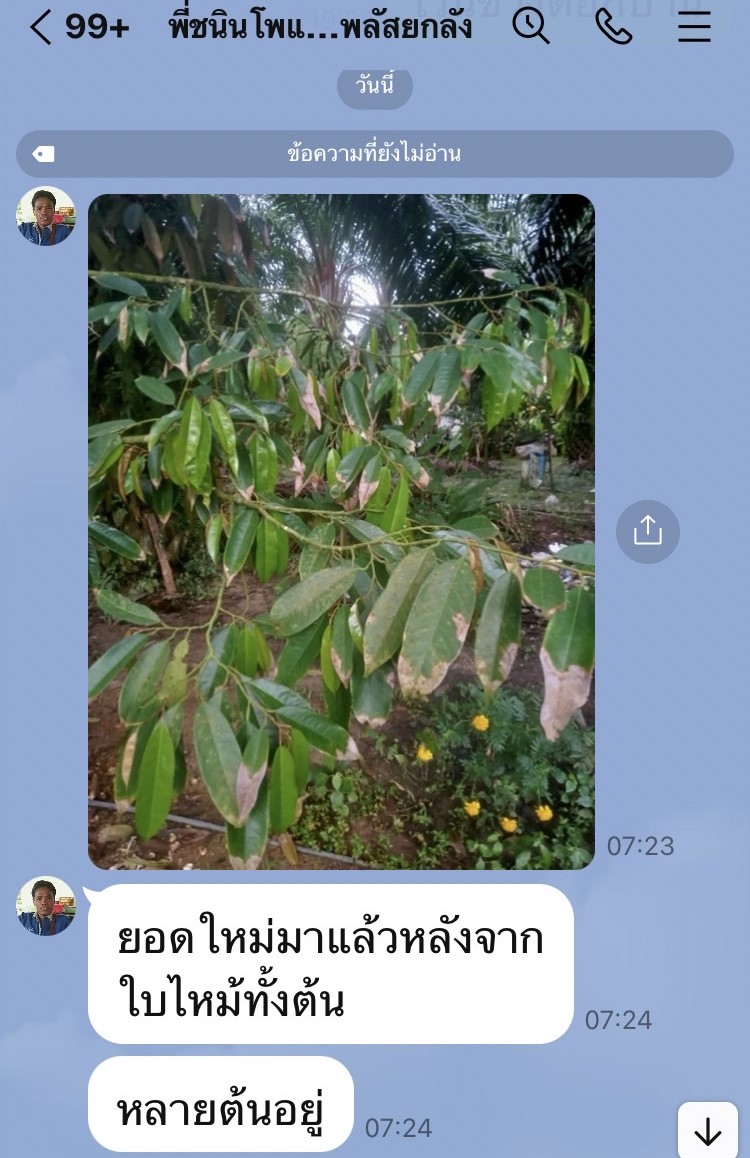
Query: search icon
529	22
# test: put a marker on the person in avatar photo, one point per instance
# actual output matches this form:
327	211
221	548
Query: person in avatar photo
47	920
47	227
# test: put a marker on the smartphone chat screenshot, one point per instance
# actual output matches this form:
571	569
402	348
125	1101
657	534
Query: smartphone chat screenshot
374	517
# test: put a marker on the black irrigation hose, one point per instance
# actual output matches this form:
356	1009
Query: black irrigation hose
210	826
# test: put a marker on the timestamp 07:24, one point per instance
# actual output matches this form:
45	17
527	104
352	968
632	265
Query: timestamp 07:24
398	1128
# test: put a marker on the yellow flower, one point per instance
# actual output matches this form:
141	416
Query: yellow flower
481	723
424	754
508	824
472	808
543	812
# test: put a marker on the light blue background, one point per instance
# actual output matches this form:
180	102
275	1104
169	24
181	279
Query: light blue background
668	935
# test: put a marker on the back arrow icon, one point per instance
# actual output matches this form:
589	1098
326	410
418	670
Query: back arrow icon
38	21
708	1140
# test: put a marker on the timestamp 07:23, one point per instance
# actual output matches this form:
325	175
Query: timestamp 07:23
645	845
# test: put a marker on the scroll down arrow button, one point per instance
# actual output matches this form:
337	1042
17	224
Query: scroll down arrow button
707	1128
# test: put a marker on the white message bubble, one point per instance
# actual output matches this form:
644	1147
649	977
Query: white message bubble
222	1104
331	964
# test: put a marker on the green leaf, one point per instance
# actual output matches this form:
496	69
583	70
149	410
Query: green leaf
122	285
265	460
582	374
342	645
175	682
355	407
118	607
282	791
327	670
116	541
378	499
377	539
157	389
155	779
418	382
103	453
567	657
245	411
197	473
240	541
255	752
385	624
94	567
246	845
268	550
581	555
393	518
106	312
171	461
585	309
338	706
139	318
215	671
161	426
118	656
179	779
246	651
214	531
397	438
315	558
163	499
225	432
219	760
369	481
332	463
446	381
220	361
544	588
169	341
300	652
563	369
138	693
251	772
415	470
116	426
496	388
497	367
371	697
352	463
381	388
477	525
498	632
273	695
317	729
301	754
186	304
189	436
437	627
301	605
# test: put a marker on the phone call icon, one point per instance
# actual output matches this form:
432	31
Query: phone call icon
604	22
